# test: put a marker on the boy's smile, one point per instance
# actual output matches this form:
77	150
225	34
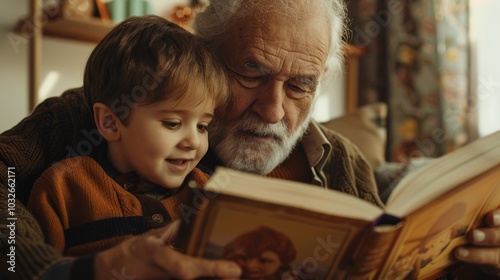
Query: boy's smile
164	141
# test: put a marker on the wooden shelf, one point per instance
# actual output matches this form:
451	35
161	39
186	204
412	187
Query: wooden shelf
82	29
352	50
352	54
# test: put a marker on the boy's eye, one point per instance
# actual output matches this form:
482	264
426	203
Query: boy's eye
171	125
202	128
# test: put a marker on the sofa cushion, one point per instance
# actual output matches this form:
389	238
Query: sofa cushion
366	128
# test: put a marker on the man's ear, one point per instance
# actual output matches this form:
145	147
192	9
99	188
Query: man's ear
107	122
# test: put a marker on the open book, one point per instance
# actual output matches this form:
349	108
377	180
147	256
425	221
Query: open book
308	232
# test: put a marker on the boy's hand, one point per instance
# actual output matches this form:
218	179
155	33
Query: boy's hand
149	257
485	246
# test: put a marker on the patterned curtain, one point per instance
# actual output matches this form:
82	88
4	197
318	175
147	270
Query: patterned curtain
425	58
428	56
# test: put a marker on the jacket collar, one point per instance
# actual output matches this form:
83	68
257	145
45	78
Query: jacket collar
318	149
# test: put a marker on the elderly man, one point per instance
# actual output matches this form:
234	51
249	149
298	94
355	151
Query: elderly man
275	52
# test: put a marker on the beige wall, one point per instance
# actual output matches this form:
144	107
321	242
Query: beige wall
63	62
486	45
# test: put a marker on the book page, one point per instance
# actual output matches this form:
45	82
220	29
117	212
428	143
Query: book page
425	247
443	174
289	193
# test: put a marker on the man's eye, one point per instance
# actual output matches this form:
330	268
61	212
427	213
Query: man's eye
171	125
202	128
249	82
296	89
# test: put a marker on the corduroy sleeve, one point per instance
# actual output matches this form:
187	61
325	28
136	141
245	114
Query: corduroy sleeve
350	170
59	127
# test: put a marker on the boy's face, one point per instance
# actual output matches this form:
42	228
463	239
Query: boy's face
164	141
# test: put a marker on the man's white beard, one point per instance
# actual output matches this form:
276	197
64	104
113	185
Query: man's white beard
230	141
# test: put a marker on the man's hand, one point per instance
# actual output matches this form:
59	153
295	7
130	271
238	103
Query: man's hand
149	257
485	249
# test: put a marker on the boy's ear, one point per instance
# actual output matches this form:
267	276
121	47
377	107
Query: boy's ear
107	122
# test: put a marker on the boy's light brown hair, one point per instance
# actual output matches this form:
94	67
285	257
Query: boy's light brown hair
147	59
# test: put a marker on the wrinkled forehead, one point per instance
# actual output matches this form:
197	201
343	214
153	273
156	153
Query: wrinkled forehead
290	41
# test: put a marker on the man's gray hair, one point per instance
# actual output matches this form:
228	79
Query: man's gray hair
215	21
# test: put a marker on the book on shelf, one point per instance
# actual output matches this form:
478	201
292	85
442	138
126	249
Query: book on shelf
102	9
299	231
119	10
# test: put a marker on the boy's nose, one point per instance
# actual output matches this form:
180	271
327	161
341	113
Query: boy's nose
191	139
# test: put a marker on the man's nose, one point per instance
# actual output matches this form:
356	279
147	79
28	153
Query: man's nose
269	103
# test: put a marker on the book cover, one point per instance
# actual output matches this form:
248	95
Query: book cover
277	229
298	242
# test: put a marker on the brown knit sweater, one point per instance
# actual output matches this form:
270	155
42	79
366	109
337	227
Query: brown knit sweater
58	128
87	211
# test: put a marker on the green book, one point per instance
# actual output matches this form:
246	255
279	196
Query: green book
148	8
136	7
117	10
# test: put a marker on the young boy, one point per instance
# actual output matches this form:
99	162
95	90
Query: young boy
153	89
